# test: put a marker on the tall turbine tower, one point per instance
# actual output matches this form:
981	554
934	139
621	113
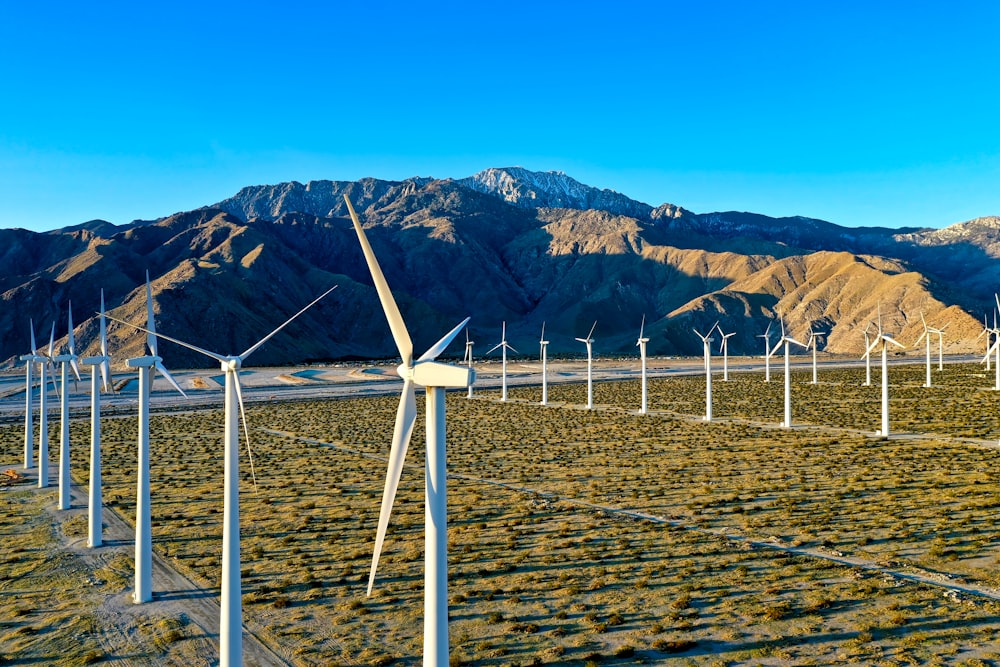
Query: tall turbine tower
885	340
66	361
707	344
589	342
787	340
940	335
503	346
767	352
543	351
468	358
814	337
43	411
30	360
231	618
724	348
435	377
926	337
641	343
868	356
95	520
147	365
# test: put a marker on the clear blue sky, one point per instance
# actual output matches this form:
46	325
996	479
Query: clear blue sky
861	113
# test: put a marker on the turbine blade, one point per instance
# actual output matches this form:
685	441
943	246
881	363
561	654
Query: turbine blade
917	342
34	346
246	431
170	378
406	415
150	321
871	348
392	314
591	334
439	347
777	346
268	337
211	355
105	365
642	327
890	339
52	341
800	344
543	333
495	347
511	348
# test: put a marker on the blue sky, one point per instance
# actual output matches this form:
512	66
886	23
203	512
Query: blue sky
858	113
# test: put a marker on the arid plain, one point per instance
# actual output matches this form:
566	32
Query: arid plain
575	536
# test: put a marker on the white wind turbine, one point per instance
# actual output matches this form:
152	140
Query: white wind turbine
543	350
231	618
707	343
468	358
995	348
29	426
813	340
66	361
641	343
940	335
589	342
986	332
95	519
767	352
435	377
43	410
926	337
885	339
147	365
724	348
788	341
503	346
868	356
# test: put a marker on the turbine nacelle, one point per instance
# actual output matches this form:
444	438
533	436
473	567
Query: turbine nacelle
437	374
143	362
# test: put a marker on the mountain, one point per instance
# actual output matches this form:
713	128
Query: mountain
503	245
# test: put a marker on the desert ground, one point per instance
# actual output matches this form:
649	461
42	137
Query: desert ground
575	537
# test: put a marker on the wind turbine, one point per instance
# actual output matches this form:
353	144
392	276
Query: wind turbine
724	348
926	337
95	519
707	342
435	377
641	343
543	350
147	365
589	341
468	358
868	356
813	339
231	619
43	411
767	352
29	426
503	345
940	335
787	340
995	348
986	331
885	339
67	361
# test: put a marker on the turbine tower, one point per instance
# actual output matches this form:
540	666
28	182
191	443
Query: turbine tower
147	365
787	341
231	617
724	348
885	339
66	361
435	377
503	346
986	332
95	520
30	360
641	343
589	342
707	343
543	351
868	356
767	352
813	340
43	411
926	337
468	358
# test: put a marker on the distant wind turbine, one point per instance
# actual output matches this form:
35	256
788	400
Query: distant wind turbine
926	337
787	341
43	411
30	360
231	618
99	365
67	361
641	343
814	337
986	332
589	342
435	377
724	348
707	351
503	346
885	340
868	356
543	351
767	352
468	358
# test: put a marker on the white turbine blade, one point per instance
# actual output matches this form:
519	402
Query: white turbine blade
767	331
392	314
543	333
871	348
582	340
150	321
246	431
211	355
170	378
511	348
697	333
642	327
495	347
439	347
777	346
105	365
406	415
923	321
71	343
34	346
917	342
591	334
795	342
997	298
52	341
890	339
253	348
941	330
990	350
